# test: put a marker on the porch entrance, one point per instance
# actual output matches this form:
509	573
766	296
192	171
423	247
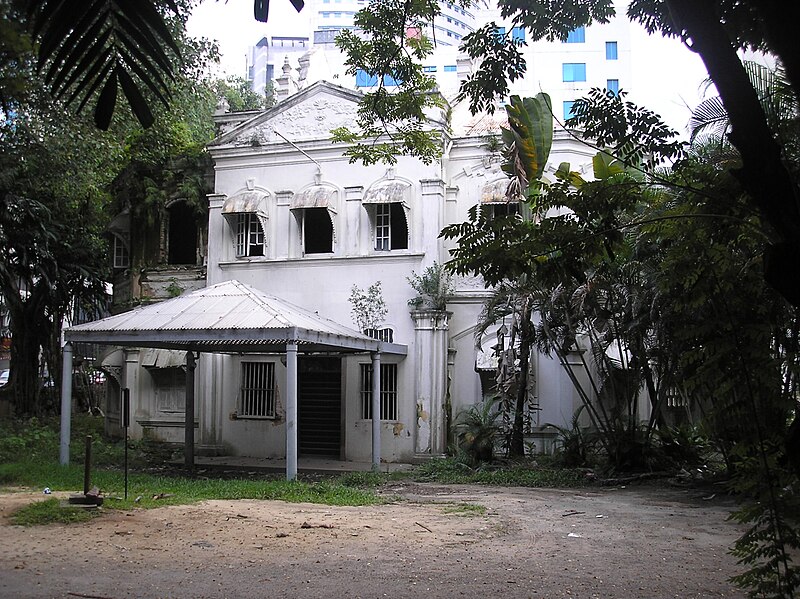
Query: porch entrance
319	406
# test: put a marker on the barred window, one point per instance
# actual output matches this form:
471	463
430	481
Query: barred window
388	391
385	334
257	392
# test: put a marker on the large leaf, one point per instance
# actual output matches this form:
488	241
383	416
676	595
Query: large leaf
89	46
527	140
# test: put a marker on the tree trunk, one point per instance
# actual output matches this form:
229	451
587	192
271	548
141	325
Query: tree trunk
763	174
517	446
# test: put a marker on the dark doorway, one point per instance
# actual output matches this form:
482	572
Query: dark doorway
182	234
319	406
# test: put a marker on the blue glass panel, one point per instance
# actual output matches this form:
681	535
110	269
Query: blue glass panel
611	50
574	71
568	109
577	36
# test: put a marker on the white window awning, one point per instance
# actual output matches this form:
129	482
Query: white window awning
247	201
389	191
316	196
495	192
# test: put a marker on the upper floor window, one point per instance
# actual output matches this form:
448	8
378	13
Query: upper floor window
611	51
518	34
391	228
121	256
449	68
612	86
576	36
317	231
246	215
506	209
249	235
574	71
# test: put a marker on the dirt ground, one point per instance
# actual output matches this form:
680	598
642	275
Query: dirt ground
642	542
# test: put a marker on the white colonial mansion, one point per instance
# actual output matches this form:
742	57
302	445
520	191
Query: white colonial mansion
292	222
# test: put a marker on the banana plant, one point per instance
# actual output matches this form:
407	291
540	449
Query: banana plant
527	142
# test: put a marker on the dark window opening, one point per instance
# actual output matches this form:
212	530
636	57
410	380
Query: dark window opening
317	231
509	209
182	236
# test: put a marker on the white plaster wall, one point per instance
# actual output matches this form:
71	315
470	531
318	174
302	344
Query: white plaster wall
442	193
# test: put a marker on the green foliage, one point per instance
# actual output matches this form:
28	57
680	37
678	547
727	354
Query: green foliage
155	491
239	96
50	511
392	121
633	134
476	429
457	470
772	512
575	445
433	287
83	50
527	142
471	510
502	63
38	440
368	307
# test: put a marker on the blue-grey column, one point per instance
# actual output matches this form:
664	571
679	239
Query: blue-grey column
188	433
66	403
291	411
376	411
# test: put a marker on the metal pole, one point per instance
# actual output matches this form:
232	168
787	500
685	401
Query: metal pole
291	411
188	435
66	403
87	465
126	419
376	411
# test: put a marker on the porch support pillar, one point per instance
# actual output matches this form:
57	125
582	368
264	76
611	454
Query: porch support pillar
376	411
291	410
66	403
188	433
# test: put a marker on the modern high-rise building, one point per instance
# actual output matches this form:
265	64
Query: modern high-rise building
594	56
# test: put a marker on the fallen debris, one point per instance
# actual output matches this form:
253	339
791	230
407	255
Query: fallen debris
423	526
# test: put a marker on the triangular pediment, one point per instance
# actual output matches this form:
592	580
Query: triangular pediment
307	115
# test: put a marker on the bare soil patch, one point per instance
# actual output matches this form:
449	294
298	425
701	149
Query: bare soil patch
608	543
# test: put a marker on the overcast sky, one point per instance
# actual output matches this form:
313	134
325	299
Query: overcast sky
667	76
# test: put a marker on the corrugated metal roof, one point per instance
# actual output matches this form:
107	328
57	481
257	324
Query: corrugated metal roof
229	316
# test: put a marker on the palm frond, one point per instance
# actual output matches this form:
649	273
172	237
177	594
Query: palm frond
89	46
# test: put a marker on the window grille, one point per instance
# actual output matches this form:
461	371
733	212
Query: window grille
257	391
388	391
386	334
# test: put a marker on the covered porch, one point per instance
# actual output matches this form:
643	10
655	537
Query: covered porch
229	318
